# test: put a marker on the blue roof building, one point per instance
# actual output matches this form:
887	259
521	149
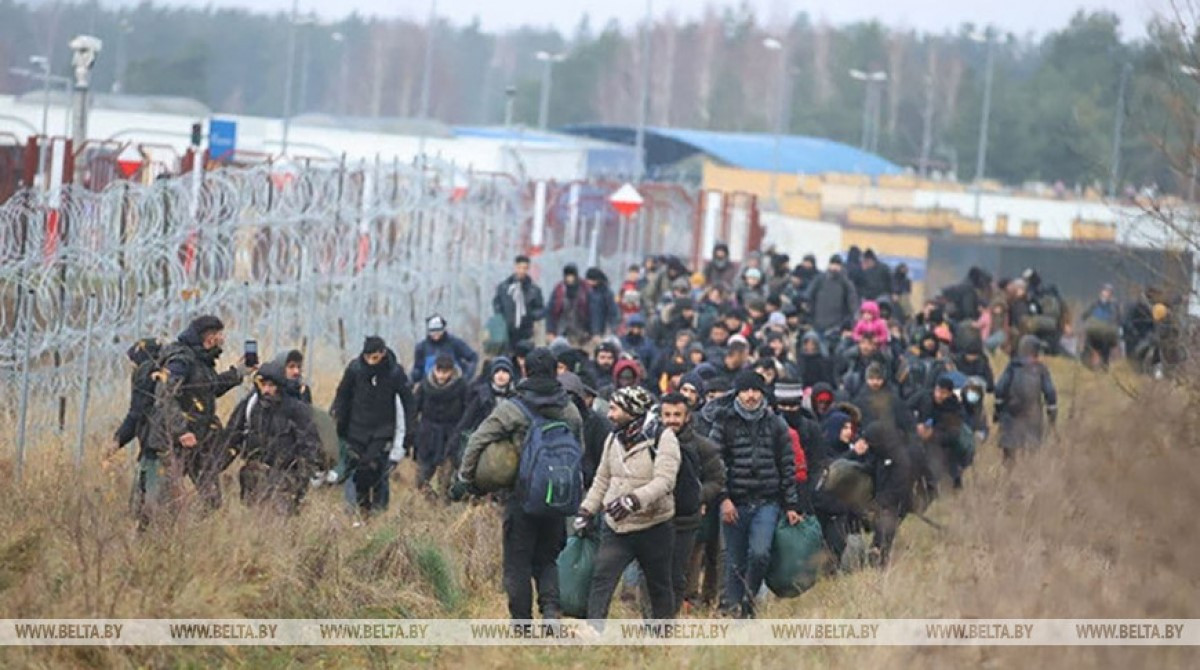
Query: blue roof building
749	151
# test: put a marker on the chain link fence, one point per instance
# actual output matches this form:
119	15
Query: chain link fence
313	258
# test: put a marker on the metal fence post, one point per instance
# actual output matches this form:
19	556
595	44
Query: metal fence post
87	379
23	406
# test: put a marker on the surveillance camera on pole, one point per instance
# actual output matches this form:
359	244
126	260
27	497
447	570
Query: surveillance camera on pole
85	48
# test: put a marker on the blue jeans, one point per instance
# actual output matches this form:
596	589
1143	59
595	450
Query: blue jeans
748	553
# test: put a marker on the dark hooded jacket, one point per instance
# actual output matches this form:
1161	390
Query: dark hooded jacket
723	272
946	419
568	309
980	367
443	404
144	356
712	472
603	314
296	388
482	398
187	401
278	432
876	282
428	351
891	468
885	407
1025	398
813	369
834	299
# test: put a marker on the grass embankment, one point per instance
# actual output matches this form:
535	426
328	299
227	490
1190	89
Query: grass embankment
1100	524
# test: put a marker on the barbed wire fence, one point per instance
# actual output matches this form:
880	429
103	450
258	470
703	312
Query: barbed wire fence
311	258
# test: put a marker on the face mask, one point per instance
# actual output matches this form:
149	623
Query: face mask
973	397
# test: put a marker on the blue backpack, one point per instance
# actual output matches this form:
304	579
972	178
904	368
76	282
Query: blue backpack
550	475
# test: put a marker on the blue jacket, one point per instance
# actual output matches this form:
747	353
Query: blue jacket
602	310
427	353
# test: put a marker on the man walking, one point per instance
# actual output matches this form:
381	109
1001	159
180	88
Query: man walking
370	408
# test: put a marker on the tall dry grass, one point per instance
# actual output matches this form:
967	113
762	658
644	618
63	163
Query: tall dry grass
1099	524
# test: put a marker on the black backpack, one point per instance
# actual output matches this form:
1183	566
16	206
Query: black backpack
687	481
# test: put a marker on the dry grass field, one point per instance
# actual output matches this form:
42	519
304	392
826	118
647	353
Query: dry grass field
1101	523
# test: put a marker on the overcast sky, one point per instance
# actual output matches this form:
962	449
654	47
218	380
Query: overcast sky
1020	16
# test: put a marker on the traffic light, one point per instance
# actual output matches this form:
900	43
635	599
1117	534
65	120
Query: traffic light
197	134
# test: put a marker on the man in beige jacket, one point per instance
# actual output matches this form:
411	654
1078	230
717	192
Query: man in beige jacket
634	489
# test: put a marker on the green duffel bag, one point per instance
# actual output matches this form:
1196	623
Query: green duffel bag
848	482
576	564
1100	335
327	431
1044	327
795	557
497	469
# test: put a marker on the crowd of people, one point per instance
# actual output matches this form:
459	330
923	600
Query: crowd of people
681	417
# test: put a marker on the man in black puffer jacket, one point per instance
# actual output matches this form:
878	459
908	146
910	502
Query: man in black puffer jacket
370	409
186	431
760	483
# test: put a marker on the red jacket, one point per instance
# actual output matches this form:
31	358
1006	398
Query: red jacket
798	452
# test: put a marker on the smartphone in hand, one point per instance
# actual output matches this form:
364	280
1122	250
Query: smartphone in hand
251	353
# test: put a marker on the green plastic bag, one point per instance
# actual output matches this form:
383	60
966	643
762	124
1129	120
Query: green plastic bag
576	563
964	446
795	556
496	340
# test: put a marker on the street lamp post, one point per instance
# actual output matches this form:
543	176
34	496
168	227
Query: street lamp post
981	154
548	60
870	133
1118	131
288	76
927	116
44	64
639	137
772	44
426	77
1193	72
302	98
340	40
123	28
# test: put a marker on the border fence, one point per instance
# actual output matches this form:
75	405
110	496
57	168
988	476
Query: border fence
313	258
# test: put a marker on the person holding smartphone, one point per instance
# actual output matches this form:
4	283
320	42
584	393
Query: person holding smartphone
188	429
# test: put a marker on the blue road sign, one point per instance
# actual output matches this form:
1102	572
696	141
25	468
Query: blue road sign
222	139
